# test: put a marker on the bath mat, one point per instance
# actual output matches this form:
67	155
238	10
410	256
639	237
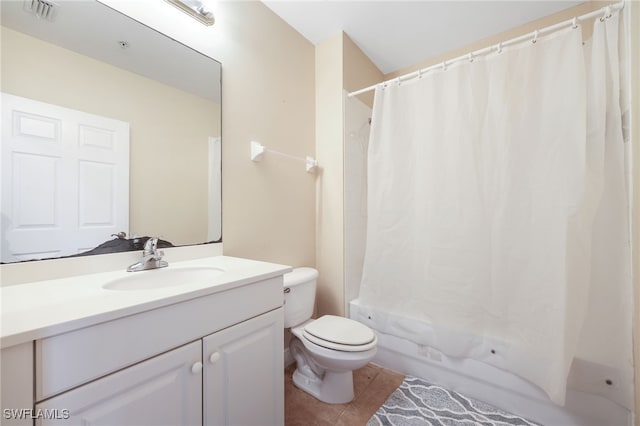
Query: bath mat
417	402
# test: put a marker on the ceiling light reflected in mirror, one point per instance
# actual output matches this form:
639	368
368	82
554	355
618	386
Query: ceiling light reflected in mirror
197	9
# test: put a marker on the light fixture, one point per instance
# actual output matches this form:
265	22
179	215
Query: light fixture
196	9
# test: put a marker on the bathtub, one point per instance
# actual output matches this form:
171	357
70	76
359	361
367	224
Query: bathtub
596	395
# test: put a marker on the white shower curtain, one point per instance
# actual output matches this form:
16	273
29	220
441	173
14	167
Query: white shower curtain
484	181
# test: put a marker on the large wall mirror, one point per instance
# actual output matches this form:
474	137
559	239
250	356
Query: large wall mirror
108	127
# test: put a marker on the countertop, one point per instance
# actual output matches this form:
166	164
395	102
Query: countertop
45	308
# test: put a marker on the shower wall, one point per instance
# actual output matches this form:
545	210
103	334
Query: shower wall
356	138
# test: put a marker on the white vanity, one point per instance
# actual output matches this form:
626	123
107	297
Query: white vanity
104	349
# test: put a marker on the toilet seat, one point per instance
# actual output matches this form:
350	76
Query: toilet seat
340	334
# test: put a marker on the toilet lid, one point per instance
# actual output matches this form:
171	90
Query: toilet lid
340	333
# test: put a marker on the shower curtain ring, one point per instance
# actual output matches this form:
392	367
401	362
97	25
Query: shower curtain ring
535	36
470	57
499	47
444	66
575	22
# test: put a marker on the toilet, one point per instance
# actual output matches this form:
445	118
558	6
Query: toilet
327	349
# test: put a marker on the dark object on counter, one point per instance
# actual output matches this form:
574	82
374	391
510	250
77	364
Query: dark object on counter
118	245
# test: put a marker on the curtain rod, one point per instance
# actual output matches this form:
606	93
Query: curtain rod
604	11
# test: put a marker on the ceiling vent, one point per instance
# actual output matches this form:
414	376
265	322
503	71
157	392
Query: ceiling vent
43	9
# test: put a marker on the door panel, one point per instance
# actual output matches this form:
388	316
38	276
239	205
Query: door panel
65	179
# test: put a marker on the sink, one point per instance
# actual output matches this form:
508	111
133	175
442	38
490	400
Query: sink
152	279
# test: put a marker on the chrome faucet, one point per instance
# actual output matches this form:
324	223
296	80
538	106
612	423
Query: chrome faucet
151	257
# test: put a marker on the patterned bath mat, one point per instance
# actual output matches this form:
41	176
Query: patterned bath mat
417	403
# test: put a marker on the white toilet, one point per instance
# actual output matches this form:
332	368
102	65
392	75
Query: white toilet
327	349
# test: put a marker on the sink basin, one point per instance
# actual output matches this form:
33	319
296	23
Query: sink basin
165	277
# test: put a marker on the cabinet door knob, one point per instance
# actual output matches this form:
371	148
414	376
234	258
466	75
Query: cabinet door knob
214	357
196	367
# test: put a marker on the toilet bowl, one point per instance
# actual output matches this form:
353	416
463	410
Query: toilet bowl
327	349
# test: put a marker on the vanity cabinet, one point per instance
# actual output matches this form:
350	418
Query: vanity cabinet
217	377
214	359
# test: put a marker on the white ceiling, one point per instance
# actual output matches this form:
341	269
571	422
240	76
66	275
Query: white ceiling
398	34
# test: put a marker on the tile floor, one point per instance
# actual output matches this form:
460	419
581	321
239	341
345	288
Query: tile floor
372	387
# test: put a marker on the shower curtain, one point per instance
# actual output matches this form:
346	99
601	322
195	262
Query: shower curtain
486	184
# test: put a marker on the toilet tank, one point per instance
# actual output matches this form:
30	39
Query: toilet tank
299	295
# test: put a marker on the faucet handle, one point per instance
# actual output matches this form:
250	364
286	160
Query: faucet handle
151	246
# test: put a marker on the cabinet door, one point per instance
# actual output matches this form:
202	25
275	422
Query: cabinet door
244	373
164	390
16	384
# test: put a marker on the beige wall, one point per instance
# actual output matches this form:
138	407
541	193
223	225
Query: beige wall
359	71
45	72
340	66
268	96
329	235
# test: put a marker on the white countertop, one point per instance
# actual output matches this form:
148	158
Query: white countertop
45	308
